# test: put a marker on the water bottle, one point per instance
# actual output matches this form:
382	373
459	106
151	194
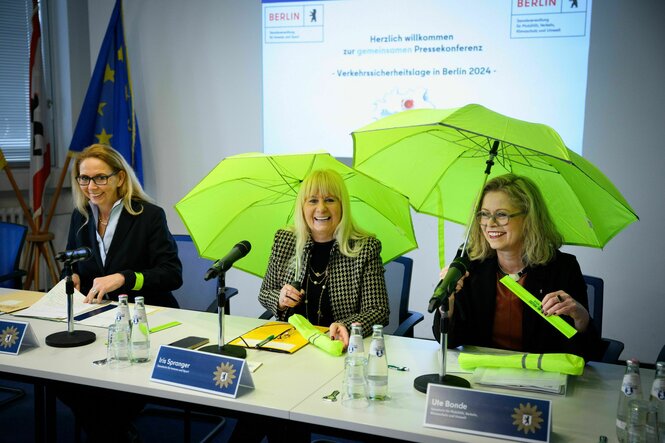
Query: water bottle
657	400
355	371
356	344
123	309
140	335
631	389
122	330
377	366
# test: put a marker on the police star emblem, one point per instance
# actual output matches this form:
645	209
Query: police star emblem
527	418
8	337
224	375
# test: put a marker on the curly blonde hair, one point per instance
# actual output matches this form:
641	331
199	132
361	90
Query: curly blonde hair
541	237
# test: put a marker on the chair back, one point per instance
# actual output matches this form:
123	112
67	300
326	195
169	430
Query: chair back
195	293
12	237
594	290
398	285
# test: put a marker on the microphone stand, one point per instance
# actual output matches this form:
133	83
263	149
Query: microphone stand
421	382
70	338
220	347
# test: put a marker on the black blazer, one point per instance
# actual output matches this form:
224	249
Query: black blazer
473	316
141	243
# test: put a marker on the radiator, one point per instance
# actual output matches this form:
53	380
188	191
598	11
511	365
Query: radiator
12	215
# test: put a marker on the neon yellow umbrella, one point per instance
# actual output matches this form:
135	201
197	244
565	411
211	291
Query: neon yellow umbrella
251	196
437	158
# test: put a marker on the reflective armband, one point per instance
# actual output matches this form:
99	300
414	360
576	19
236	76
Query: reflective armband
138	284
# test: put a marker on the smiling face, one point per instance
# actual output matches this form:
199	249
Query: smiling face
104	196
508	238
322	214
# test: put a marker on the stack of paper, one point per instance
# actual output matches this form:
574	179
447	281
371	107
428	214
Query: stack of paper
53	305
522	380
12	300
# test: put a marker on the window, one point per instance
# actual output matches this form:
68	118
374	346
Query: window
15	79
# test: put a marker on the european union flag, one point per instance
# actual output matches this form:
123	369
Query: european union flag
107	116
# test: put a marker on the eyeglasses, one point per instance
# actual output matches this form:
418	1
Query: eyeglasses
99	180
501	218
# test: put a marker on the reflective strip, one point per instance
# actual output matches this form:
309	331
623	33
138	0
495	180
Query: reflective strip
524	361
138	284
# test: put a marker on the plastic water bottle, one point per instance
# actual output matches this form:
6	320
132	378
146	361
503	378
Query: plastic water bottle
657	398
631	389
377	366
140	336
122	330
355	371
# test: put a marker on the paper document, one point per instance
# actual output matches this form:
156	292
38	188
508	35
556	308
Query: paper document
53	305
12	300
522	380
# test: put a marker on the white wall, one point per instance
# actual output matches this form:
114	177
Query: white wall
196	69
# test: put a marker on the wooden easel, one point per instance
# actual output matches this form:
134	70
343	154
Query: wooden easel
40	241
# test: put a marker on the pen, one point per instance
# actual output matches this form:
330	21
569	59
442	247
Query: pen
164	326
265	340
398	368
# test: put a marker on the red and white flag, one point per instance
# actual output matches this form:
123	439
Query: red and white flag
40	160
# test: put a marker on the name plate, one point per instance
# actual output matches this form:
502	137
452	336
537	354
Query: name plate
202	371
13	334
487	413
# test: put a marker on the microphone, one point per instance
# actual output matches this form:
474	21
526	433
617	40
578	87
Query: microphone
446	286
74	255
224	264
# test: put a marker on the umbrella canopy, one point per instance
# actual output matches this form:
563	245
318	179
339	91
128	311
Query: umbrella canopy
437	158
251	196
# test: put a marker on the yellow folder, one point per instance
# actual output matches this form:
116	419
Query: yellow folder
274	336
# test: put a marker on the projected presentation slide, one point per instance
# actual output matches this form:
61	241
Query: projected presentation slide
331	67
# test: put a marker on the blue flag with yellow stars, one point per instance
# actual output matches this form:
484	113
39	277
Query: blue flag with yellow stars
107	116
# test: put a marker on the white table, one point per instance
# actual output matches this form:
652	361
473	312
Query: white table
291	387
587	411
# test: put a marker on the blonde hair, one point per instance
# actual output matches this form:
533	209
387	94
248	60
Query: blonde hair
348	235
130	190
541	237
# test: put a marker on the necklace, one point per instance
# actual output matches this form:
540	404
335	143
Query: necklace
515	276
321	276
103	222
323	279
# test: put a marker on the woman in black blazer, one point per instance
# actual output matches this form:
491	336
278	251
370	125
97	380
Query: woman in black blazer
133	251
513	234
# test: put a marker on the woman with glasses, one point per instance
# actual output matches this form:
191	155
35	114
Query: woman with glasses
133	251
513	234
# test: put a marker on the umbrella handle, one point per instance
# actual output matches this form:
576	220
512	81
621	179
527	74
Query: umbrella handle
490	162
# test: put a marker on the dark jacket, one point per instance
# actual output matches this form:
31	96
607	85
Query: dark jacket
141	243
473	316
357	286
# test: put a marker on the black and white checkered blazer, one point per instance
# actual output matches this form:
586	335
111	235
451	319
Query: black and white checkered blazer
357	287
